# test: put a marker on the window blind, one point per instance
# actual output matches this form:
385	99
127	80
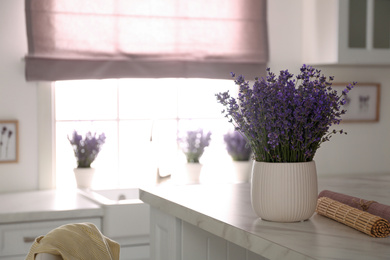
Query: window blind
96	39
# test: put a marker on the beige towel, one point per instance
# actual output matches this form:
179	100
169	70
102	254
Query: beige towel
76	242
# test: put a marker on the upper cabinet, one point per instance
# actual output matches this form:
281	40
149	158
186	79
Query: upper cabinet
346	32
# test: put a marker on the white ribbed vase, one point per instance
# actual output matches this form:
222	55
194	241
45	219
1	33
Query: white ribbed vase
284	192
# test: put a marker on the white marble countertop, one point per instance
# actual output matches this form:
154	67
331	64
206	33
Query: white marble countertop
46	205
225	210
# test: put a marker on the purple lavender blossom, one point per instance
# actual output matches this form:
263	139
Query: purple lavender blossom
193	144
8	140
86	149
3	132
237	146
285	119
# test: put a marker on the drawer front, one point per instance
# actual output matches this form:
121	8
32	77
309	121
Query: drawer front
16	239
141	252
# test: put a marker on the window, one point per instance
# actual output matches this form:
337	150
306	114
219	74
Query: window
79	40
141	119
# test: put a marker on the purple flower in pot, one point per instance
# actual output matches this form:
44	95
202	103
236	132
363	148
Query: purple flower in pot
87	148
237	146
193	143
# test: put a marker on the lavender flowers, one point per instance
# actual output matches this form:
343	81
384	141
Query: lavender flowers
237	146
193	144
86	150
8	136
285	119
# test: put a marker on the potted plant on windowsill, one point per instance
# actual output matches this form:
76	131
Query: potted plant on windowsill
85	150
240	152
193	144
285	120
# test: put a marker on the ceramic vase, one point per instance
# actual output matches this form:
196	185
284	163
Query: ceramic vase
84	177
284	192
193	171
242	171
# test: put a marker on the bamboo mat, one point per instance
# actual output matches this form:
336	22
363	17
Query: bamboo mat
363	221
373	207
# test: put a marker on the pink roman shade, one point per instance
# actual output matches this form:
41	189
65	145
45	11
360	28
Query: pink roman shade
95	39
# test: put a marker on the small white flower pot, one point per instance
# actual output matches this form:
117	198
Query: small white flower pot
188	173
193	171
84	177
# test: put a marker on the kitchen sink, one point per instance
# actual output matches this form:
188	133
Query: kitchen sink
113	196
126	218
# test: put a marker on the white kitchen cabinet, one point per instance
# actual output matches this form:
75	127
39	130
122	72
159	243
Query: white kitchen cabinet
17	238
196	222
175	239
346	32
27	215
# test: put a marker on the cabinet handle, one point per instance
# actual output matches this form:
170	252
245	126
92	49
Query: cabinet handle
28	239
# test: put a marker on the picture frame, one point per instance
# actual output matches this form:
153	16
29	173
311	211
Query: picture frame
362	102
9	141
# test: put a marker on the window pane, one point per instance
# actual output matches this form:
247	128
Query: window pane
357	24
165	145
137	163
197	97
86	100
147	98
382	24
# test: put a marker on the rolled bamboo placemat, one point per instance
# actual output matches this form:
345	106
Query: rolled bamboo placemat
363	221
370	206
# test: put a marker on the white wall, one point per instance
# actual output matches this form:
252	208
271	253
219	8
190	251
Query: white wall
18	99
366	149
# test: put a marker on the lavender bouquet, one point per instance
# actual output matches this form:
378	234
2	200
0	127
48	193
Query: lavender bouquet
285	119
193	144
237	146
8	137
86	150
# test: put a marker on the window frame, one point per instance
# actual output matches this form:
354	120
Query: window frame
46	136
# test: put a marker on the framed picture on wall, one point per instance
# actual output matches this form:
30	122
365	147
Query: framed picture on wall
8	141
362	102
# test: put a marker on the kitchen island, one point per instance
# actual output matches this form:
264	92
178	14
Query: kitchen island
216	221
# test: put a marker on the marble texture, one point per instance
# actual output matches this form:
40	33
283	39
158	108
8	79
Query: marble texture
46	205
225	211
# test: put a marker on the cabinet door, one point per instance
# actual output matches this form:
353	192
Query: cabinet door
165	236
199	244
364	32
346	32
16	239
174	239
141	252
